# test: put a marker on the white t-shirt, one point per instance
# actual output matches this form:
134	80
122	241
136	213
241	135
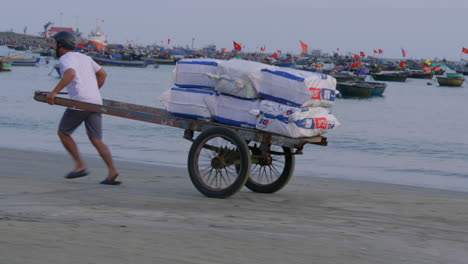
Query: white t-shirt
84	86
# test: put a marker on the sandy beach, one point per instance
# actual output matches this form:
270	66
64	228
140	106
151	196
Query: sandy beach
157	216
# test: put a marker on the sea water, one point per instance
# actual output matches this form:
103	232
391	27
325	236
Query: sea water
416	134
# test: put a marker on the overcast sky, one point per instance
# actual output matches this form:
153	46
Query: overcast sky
425	28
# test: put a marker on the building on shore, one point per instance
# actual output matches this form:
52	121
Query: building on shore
54	30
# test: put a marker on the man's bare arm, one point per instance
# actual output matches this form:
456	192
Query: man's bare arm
68	76
101	77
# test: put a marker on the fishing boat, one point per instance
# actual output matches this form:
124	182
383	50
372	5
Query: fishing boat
117	62
455	75
347	76
97	39
390	76
47	53
420	75
25	61
462	70
379	88
439	72
161	60
450	81
360	88
5	66
21	48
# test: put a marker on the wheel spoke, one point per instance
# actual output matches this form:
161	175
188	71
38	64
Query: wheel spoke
213	160
264	172
226	152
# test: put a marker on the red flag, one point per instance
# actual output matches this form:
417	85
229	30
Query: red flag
356	57
174	48
357	64
375	51
279	51
380	51
402	64
168	41
403	52
275	55
262	48
237	46
304	46
465	50
362	54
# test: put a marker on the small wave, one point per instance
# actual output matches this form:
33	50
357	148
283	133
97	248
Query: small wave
431	172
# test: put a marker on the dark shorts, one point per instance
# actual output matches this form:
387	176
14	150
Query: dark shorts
72	119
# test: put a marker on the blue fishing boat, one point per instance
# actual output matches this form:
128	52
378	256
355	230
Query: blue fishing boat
462	70
379	88
117	62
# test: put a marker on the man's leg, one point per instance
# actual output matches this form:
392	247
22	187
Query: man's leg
71	119
72	148
94	129
106	156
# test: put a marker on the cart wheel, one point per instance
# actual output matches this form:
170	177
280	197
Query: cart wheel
271	174
213	159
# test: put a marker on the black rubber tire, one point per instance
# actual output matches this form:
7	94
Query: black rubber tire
279	183
244	162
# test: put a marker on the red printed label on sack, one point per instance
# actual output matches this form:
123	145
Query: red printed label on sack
321	123
263	123
316	94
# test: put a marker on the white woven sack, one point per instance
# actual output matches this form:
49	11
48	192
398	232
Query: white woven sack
231	110
295	87
234	77
187	103
193	73
294	122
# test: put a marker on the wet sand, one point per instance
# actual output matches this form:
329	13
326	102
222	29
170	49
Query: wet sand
157	216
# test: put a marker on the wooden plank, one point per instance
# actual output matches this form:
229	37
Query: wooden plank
162	117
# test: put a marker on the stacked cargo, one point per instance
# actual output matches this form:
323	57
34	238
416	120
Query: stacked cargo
279	100
296	102
191	76
194	73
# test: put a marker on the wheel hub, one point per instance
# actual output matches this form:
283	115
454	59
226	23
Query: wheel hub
218	163
266	161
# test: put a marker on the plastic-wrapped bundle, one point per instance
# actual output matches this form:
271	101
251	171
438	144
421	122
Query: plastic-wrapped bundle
295	87
193	73
234	77
292	121
232	110
187	103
